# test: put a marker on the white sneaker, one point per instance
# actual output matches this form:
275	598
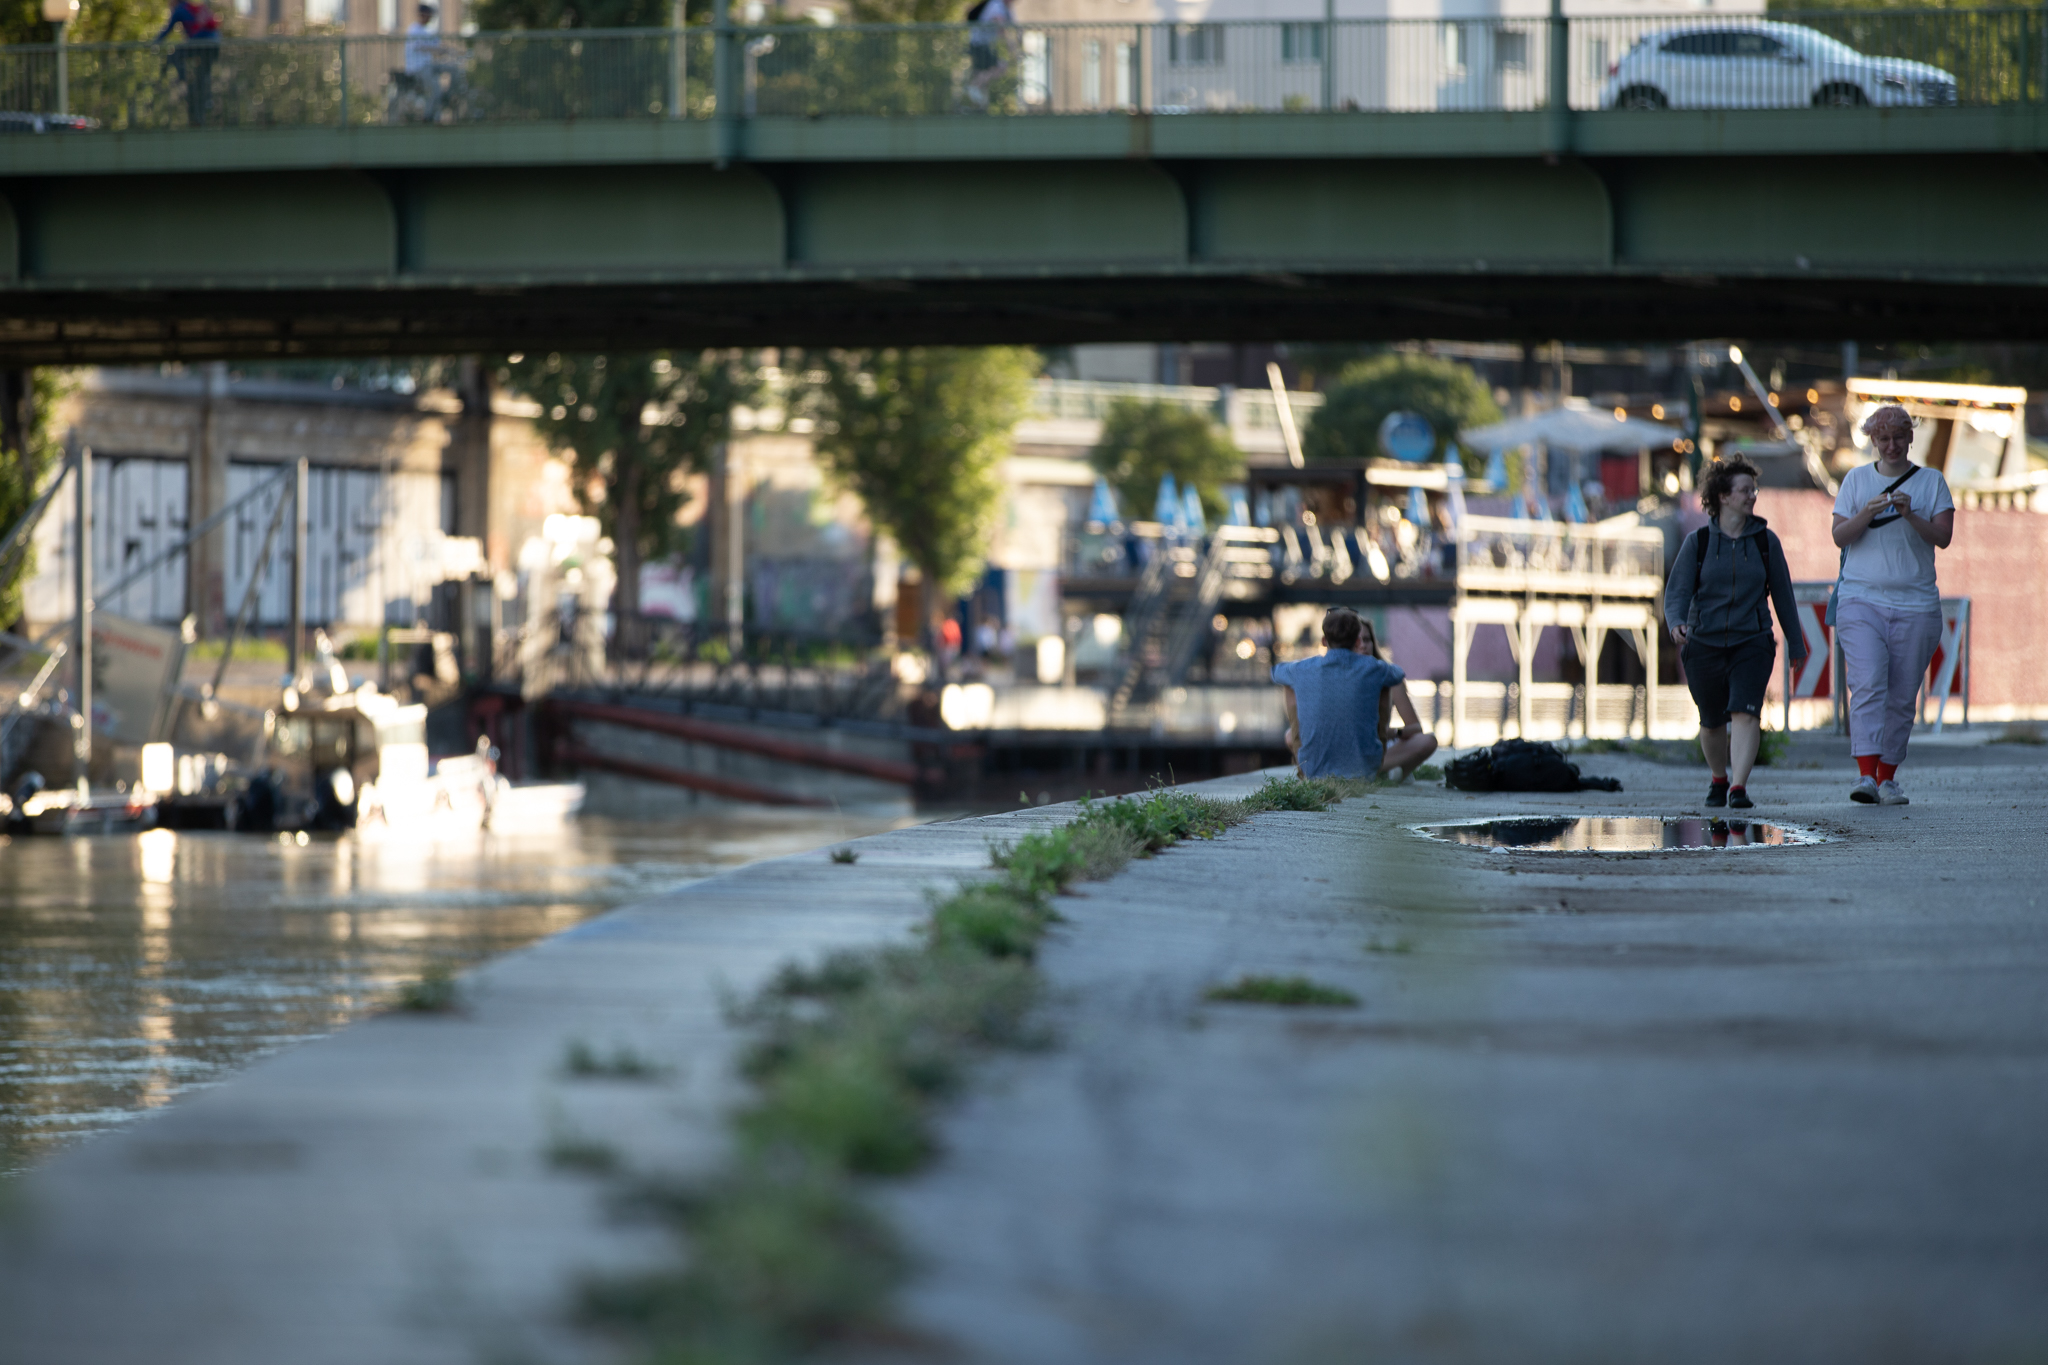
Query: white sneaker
1865	791
1890	793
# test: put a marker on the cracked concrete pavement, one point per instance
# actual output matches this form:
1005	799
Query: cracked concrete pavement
1772	1105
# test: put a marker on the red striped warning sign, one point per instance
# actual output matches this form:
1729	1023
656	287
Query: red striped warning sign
1814	677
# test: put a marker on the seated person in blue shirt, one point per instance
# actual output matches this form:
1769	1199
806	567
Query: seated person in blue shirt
1333	706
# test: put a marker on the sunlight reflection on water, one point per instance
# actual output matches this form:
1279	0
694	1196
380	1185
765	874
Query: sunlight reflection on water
135	968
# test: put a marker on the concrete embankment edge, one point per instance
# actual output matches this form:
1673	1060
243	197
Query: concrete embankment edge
385	1194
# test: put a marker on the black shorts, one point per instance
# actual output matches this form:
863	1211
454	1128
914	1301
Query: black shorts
1726	678
983	58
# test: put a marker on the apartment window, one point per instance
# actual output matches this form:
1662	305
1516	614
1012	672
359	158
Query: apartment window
1195	45
1454	48
1091	74
1126	75
1511	50
1301	42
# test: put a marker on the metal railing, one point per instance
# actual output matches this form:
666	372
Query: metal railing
1964	56
1503	554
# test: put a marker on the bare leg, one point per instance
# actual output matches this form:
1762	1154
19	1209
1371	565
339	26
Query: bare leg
1744	735
1714	744
1408	754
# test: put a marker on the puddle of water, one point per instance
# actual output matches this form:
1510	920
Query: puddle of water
1617	834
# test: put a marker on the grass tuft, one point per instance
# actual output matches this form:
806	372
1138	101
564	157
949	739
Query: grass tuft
433	993
1280	990
2020	732
851	1058
845	855
582	1060
1303	793
1428	772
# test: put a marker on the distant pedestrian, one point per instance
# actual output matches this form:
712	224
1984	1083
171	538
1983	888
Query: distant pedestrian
1890	518
1337	706
1726	576
987	47
193	59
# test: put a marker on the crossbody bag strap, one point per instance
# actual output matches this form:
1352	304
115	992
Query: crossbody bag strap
1896	484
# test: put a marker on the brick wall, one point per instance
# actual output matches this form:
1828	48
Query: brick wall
1999	560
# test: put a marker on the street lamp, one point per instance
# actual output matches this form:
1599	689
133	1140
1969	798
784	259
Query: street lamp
61	13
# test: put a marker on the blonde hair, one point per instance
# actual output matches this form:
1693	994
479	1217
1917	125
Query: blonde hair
1886	416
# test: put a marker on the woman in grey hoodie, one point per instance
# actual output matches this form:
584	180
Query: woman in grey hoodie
1715	604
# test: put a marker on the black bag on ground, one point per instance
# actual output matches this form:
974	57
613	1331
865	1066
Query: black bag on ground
1516	765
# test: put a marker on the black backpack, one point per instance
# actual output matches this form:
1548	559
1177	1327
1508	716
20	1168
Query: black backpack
1516	765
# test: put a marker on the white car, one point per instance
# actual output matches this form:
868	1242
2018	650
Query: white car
1763	65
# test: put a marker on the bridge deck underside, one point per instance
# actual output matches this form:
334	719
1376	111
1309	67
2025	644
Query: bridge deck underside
107	256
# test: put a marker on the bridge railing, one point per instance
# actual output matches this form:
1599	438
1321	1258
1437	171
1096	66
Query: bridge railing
1378	66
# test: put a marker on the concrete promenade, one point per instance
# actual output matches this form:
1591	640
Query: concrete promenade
1769	1105
1774	1105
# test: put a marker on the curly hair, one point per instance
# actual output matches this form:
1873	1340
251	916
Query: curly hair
1719	480
1888	415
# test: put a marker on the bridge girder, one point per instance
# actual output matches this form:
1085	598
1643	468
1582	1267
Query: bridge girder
198	245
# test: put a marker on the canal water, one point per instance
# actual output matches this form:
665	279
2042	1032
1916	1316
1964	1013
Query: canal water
135	968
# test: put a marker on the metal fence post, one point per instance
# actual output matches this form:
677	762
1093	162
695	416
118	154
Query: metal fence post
344	82
724	83
1557	122
81	626
63	71
1329	55
678	61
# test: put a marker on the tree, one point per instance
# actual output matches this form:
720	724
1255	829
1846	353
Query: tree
1449	396
98	21
918	435
630	471
28	451
497	16
1143	442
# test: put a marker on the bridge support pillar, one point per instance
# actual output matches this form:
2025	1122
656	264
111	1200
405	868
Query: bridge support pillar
206	484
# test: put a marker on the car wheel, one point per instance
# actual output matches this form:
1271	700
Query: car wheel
1641	97
1839	97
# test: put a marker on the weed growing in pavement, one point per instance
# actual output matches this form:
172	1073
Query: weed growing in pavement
1428	772
845	855
2019	732
575	1152
1280	990
1389	945
582	1060
433	993
850	1060
1303	793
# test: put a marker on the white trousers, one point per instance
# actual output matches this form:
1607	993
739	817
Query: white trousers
1885	654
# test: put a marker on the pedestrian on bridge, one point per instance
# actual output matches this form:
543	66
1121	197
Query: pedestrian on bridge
1890	518
1338	706
1718	599
193	59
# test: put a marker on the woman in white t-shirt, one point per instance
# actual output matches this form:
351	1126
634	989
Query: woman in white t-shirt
1890	518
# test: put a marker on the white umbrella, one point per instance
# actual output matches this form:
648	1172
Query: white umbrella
1571	428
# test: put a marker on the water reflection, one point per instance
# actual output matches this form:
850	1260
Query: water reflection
133	969
1618	834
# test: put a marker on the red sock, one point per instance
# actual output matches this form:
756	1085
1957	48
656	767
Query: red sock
1885	771
1867	764
1718	782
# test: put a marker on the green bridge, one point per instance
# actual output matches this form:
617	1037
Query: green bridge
731	185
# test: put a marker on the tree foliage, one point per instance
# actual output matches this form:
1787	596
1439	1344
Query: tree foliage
918	435
497	16
631	472
1144	442
98	21
29	449
1449	396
